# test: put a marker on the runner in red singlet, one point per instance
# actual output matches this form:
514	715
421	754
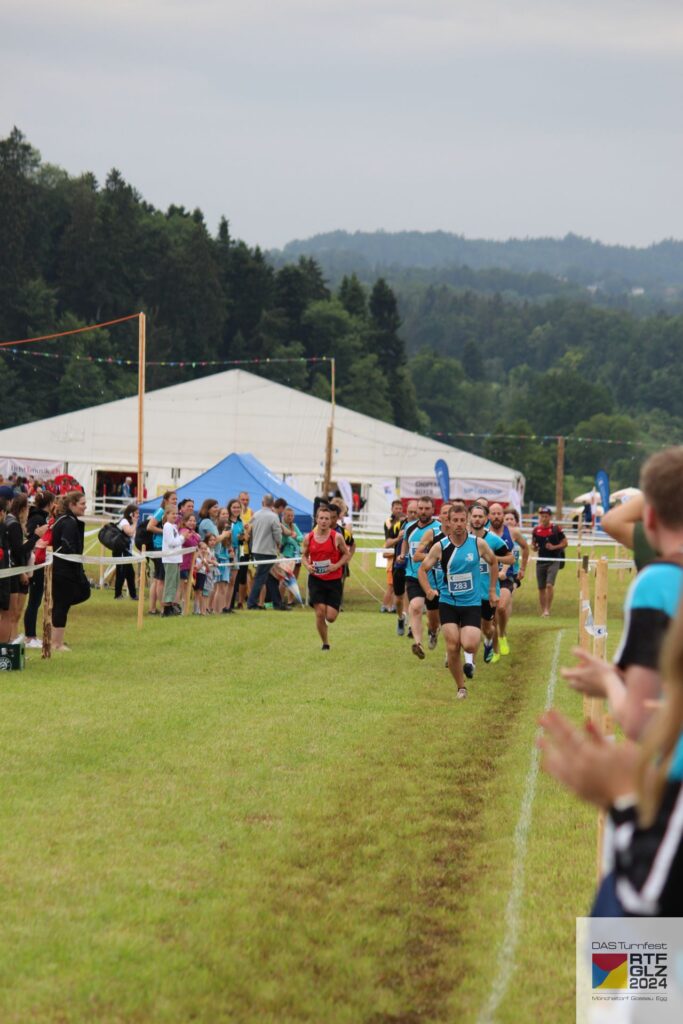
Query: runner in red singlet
324	554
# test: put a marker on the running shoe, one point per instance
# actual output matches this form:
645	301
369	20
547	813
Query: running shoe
35	644
495	658
325	647
468	669
488	652
432	640
410	632
462	693
400	627
417	651
503	645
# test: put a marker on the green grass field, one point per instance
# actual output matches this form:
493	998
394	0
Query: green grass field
212	820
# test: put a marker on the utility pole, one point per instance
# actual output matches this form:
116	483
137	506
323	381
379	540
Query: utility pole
559	479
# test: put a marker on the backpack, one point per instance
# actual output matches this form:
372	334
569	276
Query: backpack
111	537
142	535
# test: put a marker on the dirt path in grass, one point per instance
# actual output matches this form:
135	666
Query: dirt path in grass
450	879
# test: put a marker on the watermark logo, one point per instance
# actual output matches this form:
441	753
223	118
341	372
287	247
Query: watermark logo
610	970
629	969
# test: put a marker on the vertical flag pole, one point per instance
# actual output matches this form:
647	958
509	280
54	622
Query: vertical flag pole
142	325
327	477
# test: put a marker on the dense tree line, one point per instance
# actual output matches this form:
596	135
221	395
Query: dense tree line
73	252
613	268
444	358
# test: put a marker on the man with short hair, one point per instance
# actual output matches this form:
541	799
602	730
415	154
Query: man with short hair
458	554
392	528
324	555
478	520
437	530
549	541
413	534
511	535
266	535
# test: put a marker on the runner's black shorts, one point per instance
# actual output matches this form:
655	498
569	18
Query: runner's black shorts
460	615
399	575
322	591
487	612
507	584
415	590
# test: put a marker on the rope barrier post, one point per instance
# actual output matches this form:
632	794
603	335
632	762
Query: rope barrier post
188	587
141	590
597	705
47	606
142	341
102	555
584	605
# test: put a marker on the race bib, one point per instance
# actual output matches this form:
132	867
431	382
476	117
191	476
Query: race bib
321	568
460	583
414	547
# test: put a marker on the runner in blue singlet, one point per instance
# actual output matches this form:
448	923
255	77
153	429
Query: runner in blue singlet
459	554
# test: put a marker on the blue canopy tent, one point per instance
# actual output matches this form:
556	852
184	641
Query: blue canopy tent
241	472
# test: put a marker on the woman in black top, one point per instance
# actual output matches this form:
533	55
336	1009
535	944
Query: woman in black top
69	583
126	573
15	525
36	527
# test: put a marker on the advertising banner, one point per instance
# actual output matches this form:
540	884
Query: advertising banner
40	468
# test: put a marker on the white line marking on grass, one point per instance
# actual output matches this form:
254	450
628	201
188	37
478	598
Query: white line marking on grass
508	947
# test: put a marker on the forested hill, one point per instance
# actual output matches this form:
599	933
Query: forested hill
576	259
457	362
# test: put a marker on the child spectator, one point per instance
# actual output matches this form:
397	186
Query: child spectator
172	544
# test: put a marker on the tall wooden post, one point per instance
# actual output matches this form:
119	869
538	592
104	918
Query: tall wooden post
142	345
584	604
47	606
141	588
559	480
329	441
598	717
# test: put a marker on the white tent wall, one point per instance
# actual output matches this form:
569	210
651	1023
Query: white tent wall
191	426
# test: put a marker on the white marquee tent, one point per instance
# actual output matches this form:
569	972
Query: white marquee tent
191	426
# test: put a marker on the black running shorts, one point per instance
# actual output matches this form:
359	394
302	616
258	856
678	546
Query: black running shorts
415	590
399	576
322	591
460	615
487	612
507	584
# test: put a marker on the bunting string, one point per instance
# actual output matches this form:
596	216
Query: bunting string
181	363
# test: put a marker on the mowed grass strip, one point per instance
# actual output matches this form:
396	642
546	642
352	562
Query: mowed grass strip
213	820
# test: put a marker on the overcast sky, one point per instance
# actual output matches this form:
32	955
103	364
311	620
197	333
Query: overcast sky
491	118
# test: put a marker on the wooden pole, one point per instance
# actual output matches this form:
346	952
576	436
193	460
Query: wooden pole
102	555
327	475
597	706
47	606
141	590
188	588
559	480
142	343
584	604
